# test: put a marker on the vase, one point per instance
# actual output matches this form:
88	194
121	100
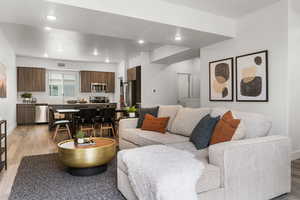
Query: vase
80	140
131	114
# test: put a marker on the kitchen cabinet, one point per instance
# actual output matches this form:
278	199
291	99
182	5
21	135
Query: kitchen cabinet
110	82
25	114
31	79
131	74
85	81
89	77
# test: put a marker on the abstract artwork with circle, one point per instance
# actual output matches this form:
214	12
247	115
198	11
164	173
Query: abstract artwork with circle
252	77
2	81
221	80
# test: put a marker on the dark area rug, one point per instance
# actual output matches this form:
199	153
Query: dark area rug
43	177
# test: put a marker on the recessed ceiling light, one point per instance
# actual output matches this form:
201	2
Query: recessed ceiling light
95	53
51	17
46	55
178	38
47	28
107	60
141	41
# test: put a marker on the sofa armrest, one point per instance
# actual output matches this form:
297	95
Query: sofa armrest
128	123
258	168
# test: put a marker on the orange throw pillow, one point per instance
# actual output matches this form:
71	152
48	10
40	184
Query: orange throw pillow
152	123
225	129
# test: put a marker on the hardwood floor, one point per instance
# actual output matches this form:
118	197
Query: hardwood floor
35	140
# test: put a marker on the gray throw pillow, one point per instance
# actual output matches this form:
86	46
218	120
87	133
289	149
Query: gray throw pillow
202	133
143	111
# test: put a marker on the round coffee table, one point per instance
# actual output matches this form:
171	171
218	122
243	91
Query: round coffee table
87	160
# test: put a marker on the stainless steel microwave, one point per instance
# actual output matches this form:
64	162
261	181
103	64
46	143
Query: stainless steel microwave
98	87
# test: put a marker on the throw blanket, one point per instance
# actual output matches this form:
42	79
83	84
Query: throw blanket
160	172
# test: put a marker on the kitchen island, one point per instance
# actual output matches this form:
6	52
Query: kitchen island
54	107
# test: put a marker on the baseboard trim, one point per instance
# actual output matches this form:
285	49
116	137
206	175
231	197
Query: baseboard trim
296	155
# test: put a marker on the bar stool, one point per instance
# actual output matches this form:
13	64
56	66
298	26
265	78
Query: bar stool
62	126
108	121
87	120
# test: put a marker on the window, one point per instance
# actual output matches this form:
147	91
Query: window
62	84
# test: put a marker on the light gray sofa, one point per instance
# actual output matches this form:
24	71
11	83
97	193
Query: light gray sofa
255	168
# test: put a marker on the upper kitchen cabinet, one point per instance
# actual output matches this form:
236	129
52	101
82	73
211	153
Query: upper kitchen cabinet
131	74
110	82
31	79
85	81
89	77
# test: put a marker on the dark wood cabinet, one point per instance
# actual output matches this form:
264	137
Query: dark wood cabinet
134	75
31	79
85	81
89	77
131	74
110	82
25	114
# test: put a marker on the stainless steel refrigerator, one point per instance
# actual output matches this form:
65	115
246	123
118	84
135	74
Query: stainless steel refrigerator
130	91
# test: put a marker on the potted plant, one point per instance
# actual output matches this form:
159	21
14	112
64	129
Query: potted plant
26	97
131	111
80	137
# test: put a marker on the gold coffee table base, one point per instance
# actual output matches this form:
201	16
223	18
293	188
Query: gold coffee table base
74	156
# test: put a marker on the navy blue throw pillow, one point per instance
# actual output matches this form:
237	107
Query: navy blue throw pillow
143	111
202	133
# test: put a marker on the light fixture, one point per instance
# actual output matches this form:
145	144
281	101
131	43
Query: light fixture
178	37
47	28
107	60
95	53
51	17
46	55
141	41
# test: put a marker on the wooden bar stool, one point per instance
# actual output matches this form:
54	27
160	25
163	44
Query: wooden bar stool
87	121
62	126
108	121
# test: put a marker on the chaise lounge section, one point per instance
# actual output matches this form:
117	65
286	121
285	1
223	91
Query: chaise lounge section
257	167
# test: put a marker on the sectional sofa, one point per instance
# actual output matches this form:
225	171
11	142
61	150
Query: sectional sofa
255	168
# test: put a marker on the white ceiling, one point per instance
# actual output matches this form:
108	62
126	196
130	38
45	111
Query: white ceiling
227	8
35	42
79	31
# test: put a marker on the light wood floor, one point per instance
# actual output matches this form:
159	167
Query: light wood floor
35	140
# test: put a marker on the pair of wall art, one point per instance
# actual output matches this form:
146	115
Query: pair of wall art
251	78
2	81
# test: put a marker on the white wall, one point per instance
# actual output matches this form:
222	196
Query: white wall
264	29
163	78
294	74
8	105
50	64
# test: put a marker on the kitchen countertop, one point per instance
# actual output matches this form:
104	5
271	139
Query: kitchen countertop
63	104
76	104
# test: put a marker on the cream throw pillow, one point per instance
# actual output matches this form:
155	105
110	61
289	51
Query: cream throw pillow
240	132
186	120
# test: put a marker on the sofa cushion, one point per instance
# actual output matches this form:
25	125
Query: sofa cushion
202	133
143	138
201	154
158	124
209	180
168	111
143	111
225	129
256	125
187	119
